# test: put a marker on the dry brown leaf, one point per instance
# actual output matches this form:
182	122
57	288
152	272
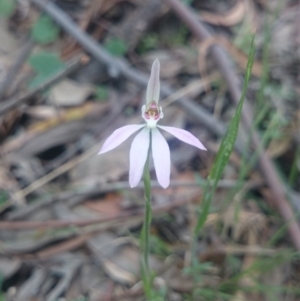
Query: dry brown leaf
102	168
65	246
67	119
117	273
8	121
240	57
67	116
96	9
277	147
183	190
234	16
105	6
110	205
246	223
9	266
10	46
69	93
44	112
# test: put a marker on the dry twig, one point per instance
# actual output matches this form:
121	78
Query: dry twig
78	196
25	52
56	224
14	102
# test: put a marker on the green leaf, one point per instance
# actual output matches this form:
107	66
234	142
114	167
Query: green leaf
44	31
3	197
149	42
101	93
7	7
188	2
116	47
46	65
225	149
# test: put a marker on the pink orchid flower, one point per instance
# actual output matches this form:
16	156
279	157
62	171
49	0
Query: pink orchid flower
151	113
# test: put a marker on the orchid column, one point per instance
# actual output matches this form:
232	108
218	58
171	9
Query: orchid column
149	140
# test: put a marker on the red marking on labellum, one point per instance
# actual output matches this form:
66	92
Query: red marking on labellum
152	111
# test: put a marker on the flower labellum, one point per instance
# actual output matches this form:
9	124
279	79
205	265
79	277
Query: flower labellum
151	113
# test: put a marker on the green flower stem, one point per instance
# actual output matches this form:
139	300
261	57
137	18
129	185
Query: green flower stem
147	276
148	214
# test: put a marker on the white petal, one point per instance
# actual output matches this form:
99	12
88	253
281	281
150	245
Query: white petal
161	158
153	88
138	156
119	136
184	136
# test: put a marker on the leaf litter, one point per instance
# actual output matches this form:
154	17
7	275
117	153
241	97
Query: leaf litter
85	245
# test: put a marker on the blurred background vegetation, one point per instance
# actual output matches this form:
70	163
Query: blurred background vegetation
71	72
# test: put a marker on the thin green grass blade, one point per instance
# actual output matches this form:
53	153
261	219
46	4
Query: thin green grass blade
226	148
231	134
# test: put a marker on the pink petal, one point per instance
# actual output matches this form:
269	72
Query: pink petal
184	136
138	155
161	158
119	136
153	87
